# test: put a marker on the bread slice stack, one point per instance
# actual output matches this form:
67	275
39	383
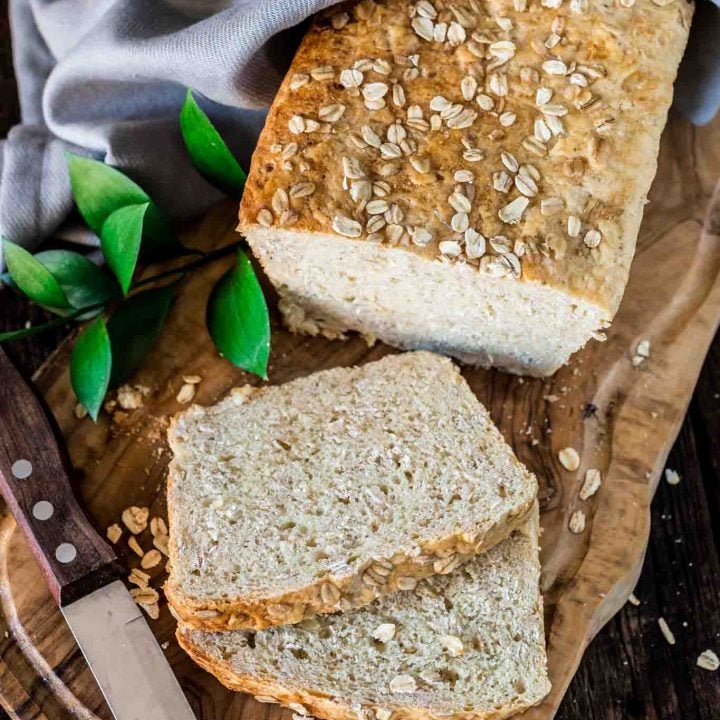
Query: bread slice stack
360	543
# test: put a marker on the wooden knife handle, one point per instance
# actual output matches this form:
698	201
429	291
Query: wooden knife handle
35	481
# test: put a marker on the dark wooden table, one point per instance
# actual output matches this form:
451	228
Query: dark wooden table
629	672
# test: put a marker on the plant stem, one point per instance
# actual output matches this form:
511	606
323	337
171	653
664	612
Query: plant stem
55	322
203	260
206	258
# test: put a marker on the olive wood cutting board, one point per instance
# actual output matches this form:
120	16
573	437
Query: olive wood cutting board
621	418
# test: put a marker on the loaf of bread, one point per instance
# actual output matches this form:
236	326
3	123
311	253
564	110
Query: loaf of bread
467	645
322	494
462	176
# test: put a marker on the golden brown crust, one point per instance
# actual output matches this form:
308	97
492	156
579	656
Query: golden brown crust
608	107
332	593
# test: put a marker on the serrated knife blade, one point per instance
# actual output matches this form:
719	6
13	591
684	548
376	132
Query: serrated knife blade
124	656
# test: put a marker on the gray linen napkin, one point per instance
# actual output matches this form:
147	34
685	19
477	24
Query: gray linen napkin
108	77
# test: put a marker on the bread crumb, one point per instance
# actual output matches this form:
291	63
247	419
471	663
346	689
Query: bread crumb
383	714
134	545
577	522
150	559
708	660
666	631
165	645
130	397
569	459
591	484
403	684
384	632
135	518
633	600
672	477
114	533
80	411
186	394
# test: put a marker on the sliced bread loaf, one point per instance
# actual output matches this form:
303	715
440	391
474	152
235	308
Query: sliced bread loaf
327	492
464	177
468	644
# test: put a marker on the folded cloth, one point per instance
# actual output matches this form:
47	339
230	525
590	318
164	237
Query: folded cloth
697	90
108	78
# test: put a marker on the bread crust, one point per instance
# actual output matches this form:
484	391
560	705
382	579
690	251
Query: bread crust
439	556
320	704
334	591
600	165
316	703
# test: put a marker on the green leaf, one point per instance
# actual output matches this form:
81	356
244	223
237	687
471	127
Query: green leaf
134	328
120	238
100	190
83	282
237	318
33	278
90	366
208	151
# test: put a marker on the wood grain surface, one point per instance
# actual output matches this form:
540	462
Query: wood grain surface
621	418
604	407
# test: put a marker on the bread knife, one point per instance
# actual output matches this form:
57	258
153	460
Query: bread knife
82	571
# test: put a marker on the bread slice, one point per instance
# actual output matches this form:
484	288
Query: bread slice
468	644
464	177
322	494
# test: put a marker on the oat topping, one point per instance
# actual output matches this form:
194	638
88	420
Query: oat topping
457	79
569	459
384	633
186	393
576	525
642	353
135	519
666	631
298	708
452	644
591	484
150	559
144	596
134	545
114	533
403	684
708	660
672	477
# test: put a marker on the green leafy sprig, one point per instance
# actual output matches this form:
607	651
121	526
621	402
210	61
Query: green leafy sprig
126	314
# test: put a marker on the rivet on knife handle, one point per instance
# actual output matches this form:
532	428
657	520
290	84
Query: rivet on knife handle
34	480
